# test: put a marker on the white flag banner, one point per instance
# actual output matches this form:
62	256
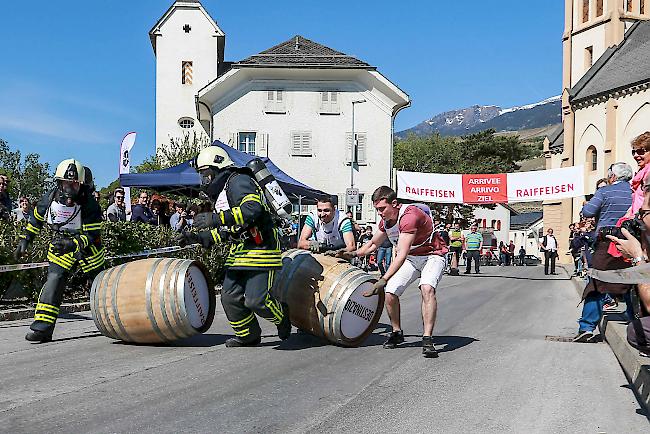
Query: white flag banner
430	187
125	167
539	185
549	184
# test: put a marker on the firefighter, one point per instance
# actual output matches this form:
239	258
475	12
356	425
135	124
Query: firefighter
242	216
75	219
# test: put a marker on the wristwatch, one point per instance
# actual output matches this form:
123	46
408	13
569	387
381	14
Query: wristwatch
639	259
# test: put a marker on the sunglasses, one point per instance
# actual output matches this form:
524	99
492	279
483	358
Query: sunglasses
119	197
638	151
642	213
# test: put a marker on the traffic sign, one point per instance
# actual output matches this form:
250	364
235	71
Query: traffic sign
352	196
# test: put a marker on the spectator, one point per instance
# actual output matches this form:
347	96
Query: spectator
473	243
455	246
191	212
141	212
356	228
158	213
116	212
549	247
440	227
511	252
384	256
98	196
609	203
22	212
522	256
5	201
178	220
503	254
366	236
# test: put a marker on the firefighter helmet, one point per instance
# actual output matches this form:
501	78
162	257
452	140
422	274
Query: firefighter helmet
70	170
214	157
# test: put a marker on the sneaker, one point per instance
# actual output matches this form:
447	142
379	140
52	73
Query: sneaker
38	336
428	349
583	336
237	342
595	338
611	306
394	339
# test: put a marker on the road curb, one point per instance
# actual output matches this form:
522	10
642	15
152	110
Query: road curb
16	314
636	368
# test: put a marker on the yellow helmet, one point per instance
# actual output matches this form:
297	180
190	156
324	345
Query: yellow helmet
70	170
213	156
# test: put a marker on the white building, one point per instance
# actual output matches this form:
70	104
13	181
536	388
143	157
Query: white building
494	224
605	99
293	103
526	230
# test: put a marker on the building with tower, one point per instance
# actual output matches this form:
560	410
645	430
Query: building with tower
295	103
605	98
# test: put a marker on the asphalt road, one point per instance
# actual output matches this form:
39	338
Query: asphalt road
496	374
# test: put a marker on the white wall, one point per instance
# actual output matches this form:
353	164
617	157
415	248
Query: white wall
498	213
594	37
173	99
326	169
521	238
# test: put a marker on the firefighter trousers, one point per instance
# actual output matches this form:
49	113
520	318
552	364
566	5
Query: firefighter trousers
246	293
51	295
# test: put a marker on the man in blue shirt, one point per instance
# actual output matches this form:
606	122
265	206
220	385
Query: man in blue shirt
608	205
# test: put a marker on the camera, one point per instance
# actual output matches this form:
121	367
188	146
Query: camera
634	226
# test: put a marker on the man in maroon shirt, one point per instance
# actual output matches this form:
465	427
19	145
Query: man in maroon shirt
420	254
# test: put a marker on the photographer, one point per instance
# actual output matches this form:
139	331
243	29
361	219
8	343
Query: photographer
608	204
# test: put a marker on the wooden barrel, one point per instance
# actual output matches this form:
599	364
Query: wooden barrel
325	298
153	300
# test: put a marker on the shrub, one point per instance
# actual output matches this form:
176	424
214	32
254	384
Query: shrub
119	238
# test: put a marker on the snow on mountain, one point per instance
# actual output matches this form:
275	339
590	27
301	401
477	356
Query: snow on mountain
478	118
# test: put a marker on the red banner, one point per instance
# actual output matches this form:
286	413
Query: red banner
491	188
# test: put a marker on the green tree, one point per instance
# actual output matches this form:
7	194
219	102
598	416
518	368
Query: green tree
179	150
483	152
27	176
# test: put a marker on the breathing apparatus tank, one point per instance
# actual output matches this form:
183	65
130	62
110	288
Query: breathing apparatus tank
272	190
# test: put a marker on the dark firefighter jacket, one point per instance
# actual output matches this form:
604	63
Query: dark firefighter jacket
249	224
90	252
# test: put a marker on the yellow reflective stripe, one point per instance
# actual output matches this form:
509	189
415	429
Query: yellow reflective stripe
92	226
47	308
243	322
222	217
215	235
67	257
37	216
242	333
85	240
270	281
274	310
57	260
33	229
44	318
251	198
237	215
253	264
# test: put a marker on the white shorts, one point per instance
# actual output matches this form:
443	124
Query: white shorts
428	268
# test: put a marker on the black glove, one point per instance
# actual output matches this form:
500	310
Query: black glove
21	249
62	245
205	220
185	238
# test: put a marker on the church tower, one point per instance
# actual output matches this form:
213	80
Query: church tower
189	47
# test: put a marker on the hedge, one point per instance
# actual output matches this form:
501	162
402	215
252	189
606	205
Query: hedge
119	238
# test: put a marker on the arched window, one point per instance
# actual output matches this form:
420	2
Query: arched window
493	224
484	223
592	158
585	11
498	225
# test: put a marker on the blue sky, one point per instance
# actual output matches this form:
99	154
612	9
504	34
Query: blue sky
78	75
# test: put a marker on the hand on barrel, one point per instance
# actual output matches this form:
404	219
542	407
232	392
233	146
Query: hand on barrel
376	288
314	246
205	220
343	254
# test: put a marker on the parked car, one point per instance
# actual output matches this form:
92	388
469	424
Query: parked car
532	260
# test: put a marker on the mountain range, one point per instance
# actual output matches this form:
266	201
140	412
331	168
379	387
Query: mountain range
479	118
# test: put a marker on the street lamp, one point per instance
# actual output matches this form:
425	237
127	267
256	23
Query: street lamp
353	147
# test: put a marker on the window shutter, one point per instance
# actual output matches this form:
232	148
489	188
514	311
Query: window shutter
269	96
279	96
333	97
324	97
306	143
361	148
348	147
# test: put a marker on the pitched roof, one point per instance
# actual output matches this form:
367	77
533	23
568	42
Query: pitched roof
556	138
300	52
620	67
525	220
